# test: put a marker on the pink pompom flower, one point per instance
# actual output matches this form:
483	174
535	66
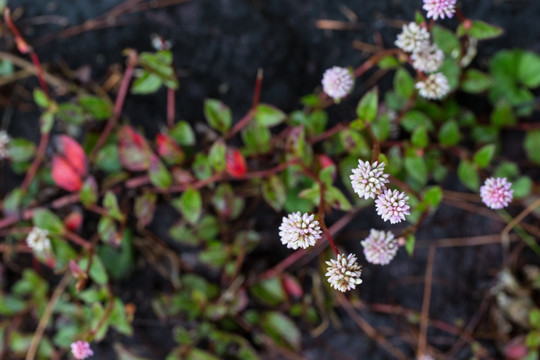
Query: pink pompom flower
380	247
338	82
81	350
392	206
369	180
440	8
496	193
299	230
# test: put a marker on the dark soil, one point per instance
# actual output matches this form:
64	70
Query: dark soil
218	47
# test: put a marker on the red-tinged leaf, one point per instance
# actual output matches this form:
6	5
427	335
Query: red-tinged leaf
133	150
516	349
325	161
145	206
64	175
168	149
236	163
73	153
76	270
292	286
73	221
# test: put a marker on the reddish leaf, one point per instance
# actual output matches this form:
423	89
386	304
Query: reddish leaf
325	161
73	221
292	286
73	153
168	149
76	270
133	150
64	175
236	163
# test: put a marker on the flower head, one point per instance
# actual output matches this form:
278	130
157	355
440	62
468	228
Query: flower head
428	59
392	205
439	8
496	193
299	230
38	240
81	350
435	86
412	38
337	82
380	247
368	180
344	272
4	142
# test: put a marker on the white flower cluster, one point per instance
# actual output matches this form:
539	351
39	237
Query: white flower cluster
425	57
344	272
369	181
299	230
38	240
338	82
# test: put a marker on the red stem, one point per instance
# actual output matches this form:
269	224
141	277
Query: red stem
321	219
170	107
78	240
119	103
247	118
40	154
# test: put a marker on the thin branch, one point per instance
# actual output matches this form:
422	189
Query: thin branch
426	301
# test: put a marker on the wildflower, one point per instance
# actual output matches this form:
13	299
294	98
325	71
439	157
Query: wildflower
81	350
344	273
435	86
439	8
380	247
368	180
337	82
425	357
299	230
4	142
428	59
38	240
392	205
412	38
496	193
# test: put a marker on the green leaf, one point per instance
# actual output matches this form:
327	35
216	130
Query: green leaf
522	187
190	205
119	320
274	192
404	83
335	198
534	318
468	175
267	116
158	173
108	160
98	108
46	220
367	107
419	137
409	244
388	62
147	83
269	292
416	169
354	143
449	133
21	150
160	65
413	119
446	41
475	81
451	70
532	146
528	70
503	115
89	192
281	329
145	206
218	115
506	169
216	156
257	139
107	231
183	134
12	202
97	269
46	122
433	196
111	204
201	167
484	155
40	98
119	262
480	30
